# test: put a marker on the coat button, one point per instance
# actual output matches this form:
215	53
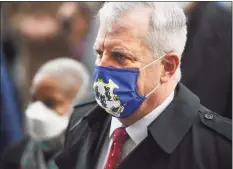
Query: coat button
209	116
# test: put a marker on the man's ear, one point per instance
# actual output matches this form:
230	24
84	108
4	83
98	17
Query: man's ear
170	64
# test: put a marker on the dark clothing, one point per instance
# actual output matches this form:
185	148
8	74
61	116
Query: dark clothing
185	136
13	154
10	113
207	59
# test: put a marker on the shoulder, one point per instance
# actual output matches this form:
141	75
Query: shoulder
212	133
85	104
215	122
81	110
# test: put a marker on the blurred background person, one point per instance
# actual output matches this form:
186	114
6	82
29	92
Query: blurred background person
207	58
10	108
33	33
10	112
56	87
36	32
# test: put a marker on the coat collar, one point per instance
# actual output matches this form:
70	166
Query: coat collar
171	126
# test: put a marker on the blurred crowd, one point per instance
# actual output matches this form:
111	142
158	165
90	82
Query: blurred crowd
47	62
32	34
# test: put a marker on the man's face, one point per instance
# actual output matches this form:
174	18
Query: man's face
124	45
49	92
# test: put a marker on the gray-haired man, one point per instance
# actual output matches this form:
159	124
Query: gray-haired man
147	120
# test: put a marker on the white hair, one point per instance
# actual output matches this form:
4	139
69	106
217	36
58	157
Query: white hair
167	29
69	72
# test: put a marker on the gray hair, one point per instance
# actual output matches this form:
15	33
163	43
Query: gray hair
69	72
167	29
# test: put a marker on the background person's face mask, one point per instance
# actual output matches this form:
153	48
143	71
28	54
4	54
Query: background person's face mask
116	90
43	123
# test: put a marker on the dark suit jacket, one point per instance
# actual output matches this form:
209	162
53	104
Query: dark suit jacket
185	136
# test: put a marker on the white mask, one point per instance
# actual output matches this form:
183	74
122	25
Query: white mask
44	123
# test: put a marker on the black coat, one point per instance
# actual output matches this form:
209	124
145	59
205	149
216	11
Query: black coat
185	136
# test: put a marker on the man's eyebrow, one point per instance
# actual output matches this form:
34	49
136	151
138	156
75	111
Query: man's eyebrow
95	49
125	51
119	49
114	49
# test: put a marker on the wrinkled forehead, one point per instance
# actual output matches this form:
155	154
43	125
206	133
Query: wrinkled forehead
129	26
114	33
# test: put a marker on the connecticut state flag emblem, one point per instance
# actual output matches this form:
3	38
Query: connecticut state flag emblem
106	98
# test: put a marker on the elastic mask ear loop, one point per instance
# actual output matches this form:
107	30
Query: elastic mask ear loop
151	63
153	90
146	67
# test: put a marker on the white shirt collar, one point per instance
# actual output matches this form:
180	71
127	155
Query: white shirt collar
138	130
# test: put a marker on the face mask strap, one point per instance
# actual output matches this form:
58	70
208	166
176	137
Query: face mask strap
152	62
153	90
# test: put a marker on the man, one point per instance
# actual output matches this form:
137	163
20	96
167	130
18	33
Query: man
57	85
142	117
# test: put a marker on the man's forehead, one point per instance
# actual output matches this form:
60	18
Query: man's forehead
136	17
132	25
112	44
114	28
113	35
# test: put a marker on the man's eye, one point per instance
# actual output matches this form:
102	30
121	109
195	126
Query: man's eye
33	99
118	55
50	103
98	53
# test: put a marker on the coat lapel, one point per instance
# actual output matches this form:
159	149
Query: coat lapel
98	126
100	142
143	156
87	142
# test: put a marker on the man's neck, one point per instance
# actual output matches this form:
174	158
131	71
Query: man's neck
153	101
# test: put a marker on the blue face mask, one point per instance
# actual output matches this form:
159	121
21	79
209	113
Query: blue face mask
116	90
